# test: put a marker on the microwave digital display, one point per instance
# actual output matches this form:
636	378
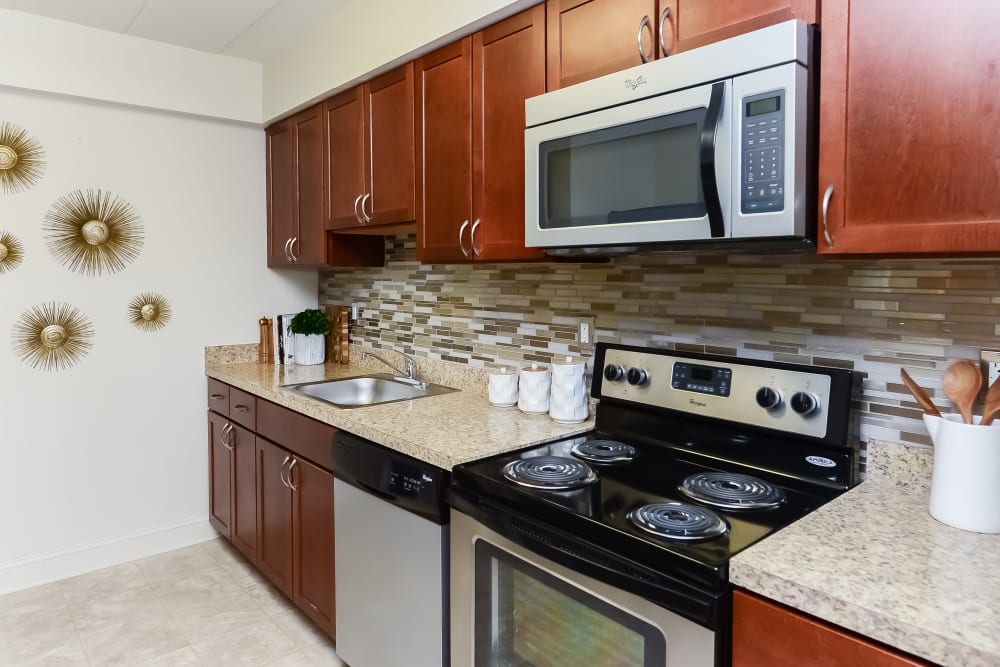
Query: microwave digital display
767	105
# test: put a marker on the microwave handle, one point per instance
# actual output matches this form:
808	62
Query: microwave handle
709	183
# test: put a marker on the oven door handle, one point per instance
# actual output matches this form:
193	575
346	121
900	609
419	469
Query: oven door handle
709	181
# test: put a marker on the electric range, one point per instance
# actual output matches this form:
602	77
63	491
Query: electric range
694	458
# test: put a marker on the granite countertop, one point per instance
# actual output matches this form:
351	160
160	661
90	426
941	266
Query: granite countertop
874	561
445	430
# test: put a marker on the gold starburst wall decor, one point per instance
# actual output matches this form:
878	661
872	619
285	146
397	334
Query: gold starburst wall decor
52	336
11	252
22	159
149	311
94	231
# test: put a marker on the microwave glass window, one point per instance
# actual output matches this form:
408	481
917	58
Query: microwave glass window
528	617
766	105
656	174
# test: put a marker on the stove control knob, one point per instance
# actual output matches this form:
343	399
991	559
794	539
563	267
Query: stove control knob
768	398
614	373
804	403
638	377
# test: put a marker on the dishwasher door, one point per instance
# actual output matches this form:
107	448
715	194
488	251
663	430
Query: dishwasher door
392	583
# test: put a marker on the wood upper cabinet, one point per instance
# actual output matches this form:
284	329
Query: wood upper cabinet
591	38
274	515
280	193
312	542
766	634
370	146
470	141
909	135
220	478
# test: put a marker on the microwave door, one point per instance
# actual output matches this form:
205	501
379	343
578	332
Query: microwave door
652	171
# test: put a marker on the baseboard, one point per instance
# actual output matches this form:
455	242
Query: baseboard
35	571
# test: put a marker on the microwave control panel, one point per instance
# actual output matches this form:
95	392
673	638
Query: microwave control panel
762	137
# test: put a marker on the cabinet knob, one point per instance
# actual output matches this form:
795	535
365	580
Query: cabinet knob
827	196
291	249
461	241
288	253
364	215
357	215
663	21
472	238
217	397
643	24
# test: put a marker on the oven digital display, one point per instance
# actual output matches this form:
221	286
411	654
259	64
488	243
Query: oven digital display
713	380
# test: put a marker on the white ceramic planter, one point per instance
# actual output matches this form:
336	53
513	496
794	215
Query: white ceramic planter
308	350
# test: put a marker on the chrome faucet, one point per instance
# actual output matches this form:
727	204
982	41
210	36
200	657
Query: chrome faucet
409	370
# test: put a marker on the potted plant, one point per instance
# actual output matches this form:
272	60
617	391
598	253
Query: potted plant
310	328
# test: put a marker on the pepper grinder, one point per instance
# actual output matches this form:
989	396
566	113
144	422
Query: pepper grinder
265	349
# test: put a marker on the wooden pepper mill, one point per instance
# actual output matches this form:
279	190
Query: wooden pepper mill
265	349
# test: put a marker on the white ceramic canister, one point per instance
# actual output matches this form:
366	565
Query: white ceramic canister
533	389
965	484
503	387
568	402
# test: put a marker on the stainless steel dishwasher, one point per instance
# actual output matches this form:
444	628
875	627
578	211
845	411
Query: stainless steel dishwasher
391	557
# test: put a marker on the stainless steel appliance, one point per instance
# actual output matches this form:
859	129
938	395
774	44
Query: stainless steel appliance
391	555
613	548
712	144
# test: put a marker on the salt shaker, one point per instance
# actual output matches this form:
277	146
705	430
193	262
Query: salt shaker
533	390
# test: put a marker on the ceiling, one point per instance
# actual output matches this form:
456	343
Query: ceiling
252	29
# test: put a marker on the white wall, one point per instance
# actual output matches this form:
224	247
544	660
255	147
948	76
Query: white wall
107	461
367	35
44	54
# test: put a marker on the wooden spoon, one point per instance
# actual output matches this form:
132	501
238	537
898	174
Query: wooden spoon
962	381
919	393
992	406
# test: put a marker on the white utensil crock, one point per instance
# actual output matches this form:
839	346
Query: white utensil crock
308	349
965	484
568	397
533	390
503	387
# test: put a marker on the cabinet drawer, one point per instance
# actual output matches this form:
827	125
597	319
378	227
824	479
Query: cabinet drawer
242	408
297	433
218	397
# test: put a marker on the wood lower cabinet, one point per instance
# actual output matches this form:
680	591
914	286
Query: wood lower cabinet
767	634
909	148
470	141
274	500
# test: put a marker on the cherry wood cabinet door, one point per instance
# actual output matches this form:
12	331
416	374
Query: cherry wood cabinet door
309	244
391	169
509	67
244	492
344	118
591	38
220	478
443	127
312	539
688	24
274	515
280	192
766	634
909	148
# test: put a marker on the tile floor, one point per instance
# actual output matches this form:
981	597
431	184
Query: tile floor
201	605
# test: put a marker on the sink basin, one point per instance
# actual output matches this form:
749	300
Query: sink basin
367	390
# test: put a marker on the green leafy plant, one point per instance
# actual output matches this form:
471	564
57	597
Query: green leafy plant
311	321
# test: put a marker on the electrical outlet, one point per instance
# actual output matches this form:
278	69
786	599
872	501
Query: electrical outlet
991	365
585	335
354	312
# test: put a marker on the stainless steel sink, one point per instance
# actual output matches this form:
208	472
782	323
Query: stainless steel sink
358	392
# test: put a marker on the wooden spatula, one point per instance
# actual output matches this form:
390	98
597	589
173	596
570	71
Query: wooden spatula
918	393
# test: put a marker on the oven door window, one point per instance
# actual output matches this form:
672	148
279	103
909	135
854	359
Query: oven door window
648	170
527	617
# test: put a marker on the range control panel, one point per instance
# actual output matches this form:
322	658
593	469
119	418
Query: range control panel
762	136
796	401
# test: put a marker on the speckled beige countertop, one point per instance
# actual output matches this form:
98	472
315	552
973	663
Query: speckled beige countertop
874	561
444	430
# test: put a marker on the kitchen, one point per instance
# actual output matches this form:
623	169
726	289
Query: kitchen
188	154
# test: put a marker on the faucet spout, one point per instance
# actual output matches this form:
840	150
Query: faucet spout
409	370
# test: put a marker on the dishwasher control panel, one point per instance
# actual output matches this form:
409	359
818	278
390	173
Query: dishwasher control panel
406	479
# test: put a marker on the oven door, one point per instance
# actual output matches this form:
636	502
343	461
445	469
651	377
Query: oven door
513	608
650	171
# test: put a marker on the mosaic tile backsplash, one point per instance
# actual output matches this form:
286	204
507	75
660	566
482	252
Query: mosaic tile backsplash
873	316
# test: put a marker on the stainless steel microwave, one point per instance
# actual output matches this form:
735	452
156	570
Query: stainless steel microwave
711	144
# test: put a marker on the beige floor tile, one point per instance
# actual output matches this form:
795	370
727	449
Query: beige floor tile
312	641
65	655
232	561
34	600
253	644
30	633
297	659
213	580
80	590
200	616
187	560
123	604
128	640
186	657
271	601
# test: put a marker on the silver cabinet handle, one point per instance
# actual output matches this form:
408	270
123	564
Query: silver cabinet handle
663	19
224	436
643	24
356	214
826	207
281	473
291	249
288	253
472	237
291	485
363	213
461	243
